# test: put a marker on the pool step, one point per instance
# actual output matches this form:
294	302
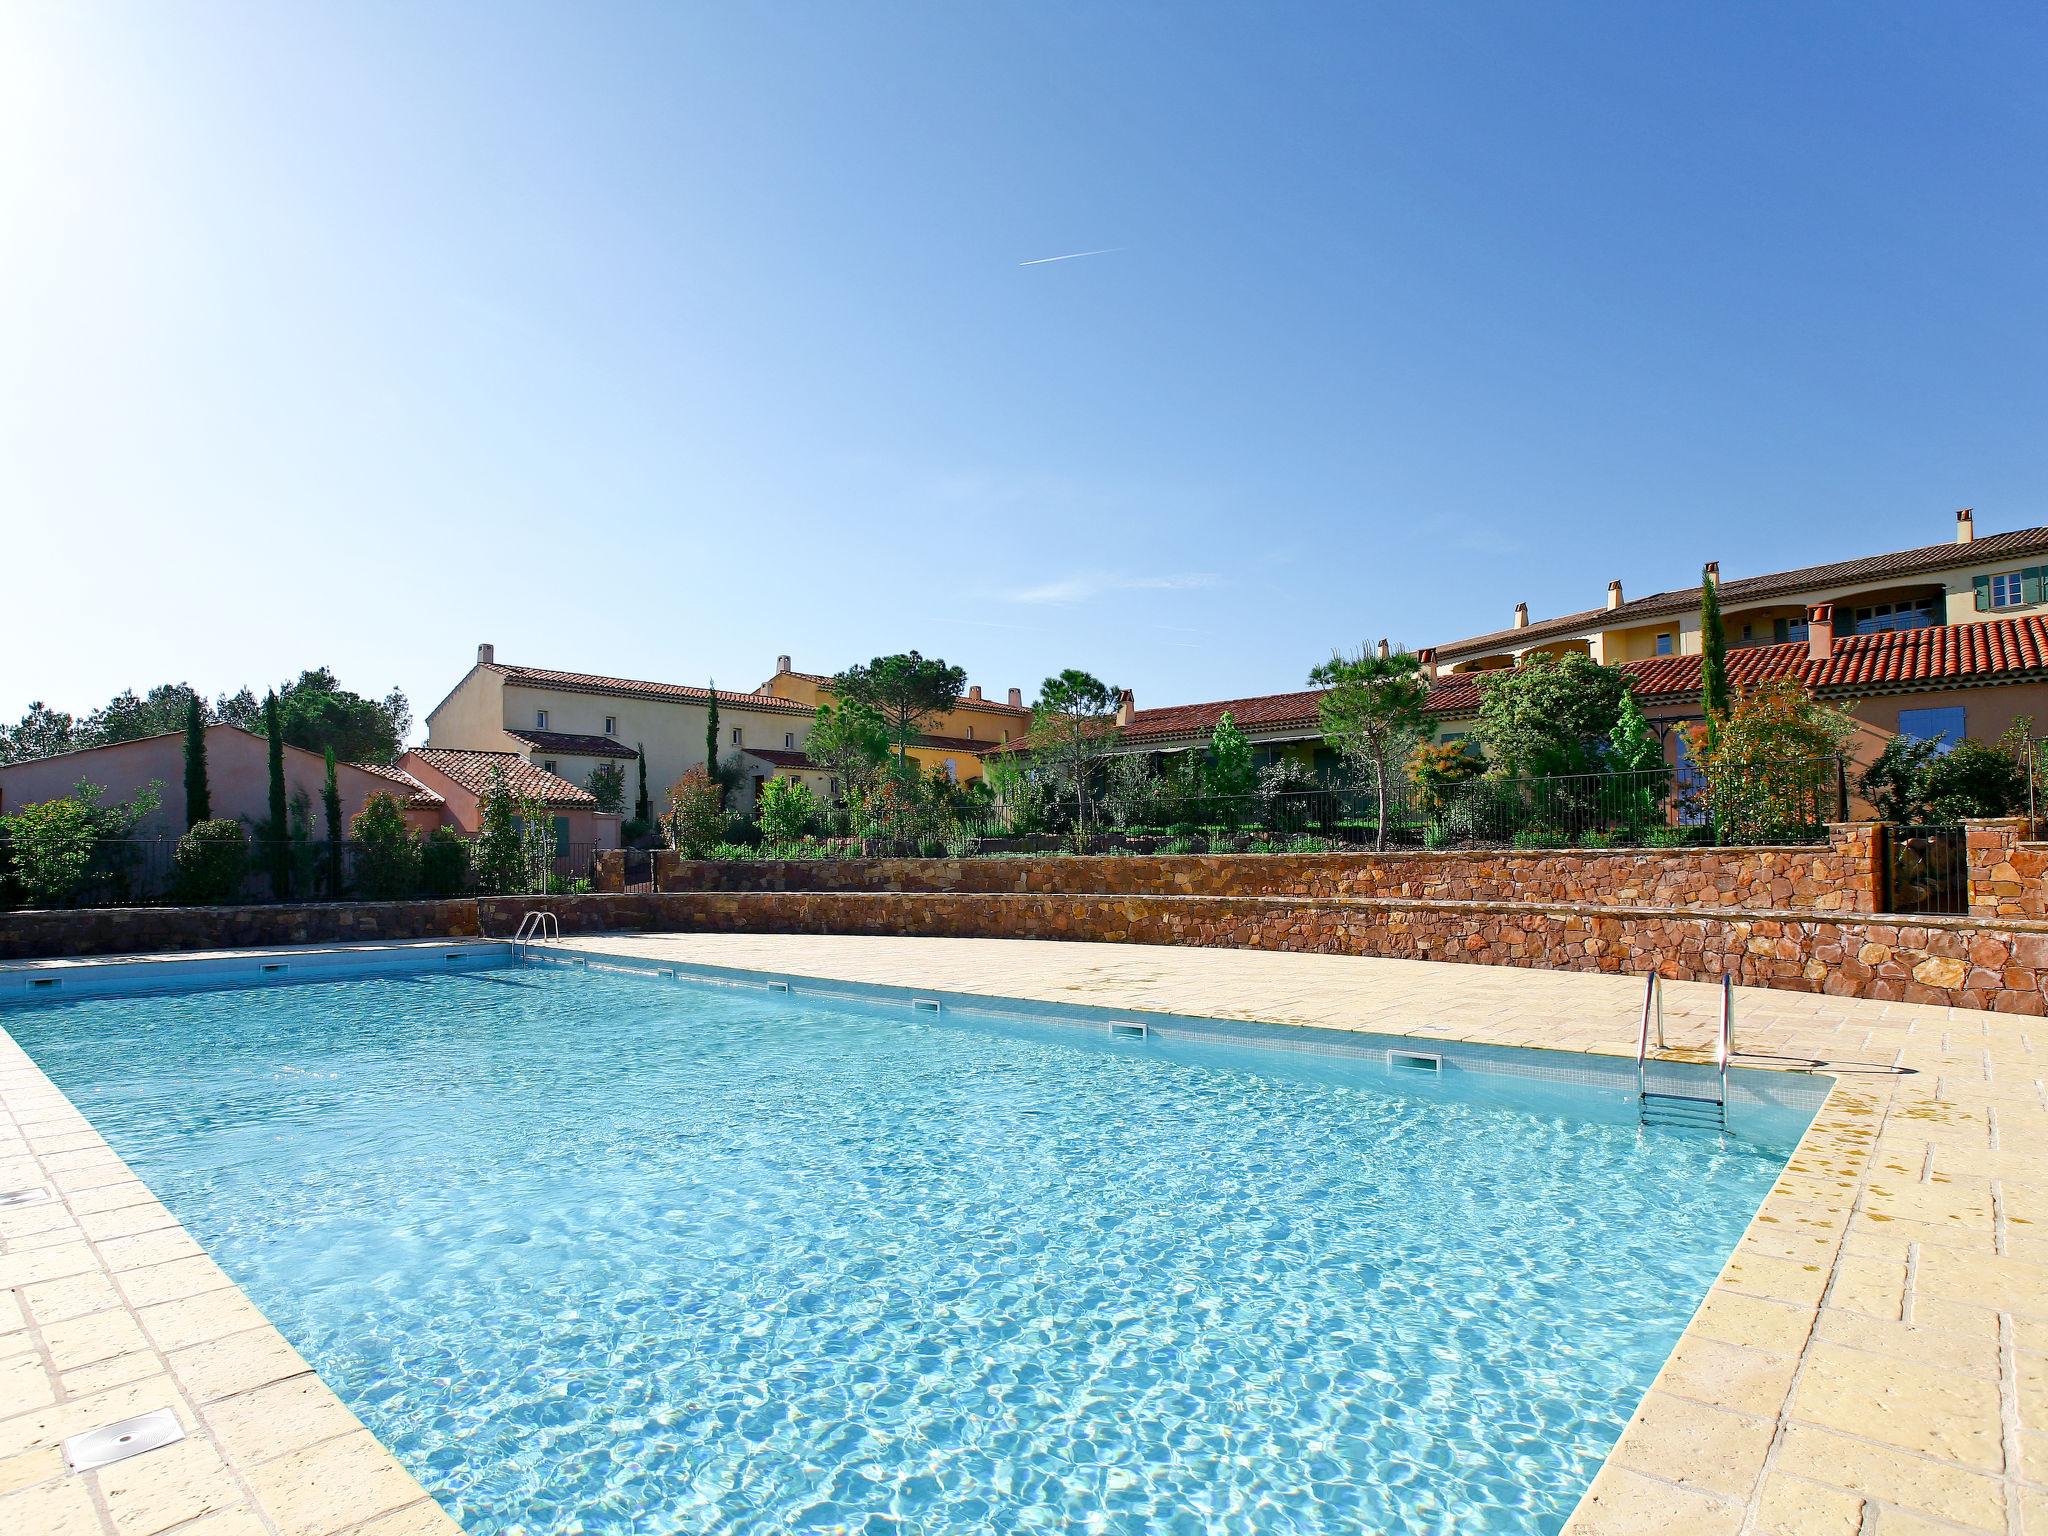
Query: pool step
1684	1109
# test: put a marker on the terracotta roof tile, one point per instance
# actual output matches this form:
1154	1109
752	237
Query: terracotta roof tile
633	688
1748	589
473	770
1266	712
418	794
577	744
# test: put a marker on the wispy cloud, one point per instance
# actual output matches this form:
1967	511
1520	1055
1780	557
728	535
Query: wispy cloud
1082	585
1039	261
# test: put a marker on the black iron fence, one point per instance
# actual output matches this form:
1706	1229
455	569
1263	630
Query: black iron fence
148	872
1773	802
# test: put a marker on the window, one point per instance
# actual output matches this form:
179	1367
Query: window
2011	589
1788	629
1876	618
970	733
1944	725
549	764
952	771
1664	644
735	735
540	719
611	725
789	741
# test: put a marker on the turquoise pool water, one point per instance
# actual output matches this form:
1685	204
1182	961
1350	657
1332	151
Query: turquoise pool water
607	1253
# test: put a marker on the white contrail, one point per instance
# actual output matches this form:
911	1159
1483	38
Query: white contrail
1071	256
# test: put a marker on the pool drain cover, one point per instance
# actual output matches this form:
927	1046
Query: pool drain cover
13	1197
117	1442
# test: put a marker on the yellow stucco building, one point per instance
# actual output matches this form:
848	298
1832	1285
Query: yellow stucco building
956	741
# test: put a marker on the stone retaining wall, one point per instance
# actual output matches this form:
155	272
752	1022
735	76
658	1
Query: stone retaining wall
1841	875
2008	876
1956	961
141	930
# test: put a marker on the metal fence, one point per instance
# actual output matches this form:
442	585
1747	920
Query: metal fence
1773	802
120	872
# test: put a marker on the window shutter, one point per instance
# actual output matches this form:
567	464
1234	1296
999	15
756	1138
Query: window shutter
1781	629
1983	584
2030	584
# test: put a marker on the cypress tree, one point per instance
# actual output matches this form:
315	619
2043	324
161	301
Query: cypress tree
643	808
711	745
330	803
198	800
279	851
1713	656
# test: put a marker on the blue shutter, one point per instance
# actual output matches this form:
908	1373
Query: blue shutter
2030	584
1983	585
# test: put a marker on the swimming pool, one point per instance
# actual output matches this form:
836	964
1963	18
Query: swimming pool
598	1251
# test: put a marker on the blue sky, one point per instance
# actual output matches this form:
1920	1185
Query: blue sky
659	340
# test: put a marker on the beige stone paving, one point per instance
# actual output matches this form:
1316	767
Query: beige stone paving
1873	1360
108	1309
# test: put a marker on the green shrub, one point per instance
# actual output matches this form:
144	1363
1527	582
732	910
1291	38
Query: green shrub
444	862
49	850
210	862
1540	838
1309	845
387	851
696	814
787	809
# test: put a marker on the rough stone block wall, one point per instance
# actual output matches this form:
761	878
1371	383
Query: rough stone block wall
1954	961
141	930
1839	876
2008	876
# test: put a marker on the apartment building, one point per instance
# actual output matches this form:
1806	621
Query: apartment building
956	742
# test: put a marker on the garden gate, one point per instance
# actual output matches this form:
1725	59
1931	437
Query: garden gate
1926	870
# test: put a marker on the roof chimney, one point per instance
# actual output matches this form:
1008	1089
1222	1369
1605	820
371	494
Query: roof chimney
486	654
781	665
1966	526
1820	631
1521	615
1382	651
1426	660
1614	594
1711	571
974	693
1126	706
1016	698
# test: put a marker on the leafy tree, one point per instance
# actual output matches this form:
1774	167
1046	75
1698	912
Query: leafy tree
330	806
1919	783
1284	784
851	743
209	862
128	718
1549	714
1073	725
56	847
696	814
536	843
1436	769
444	862
1713	654
608	783
906	690
1372	709
1130	790
786	809
1770	768
1230	761
495	857
1023	790
1634	752
319	713
387	850
42	732
198	800
277	852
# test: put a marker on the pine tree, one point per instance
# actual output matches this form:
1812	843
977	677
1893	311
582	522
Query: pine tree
198	800
330	803
278	849
1713	656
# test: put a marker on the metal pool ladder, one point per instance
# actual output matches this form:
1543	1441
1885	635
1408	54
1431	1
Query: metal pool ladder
537	927
1683	1108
